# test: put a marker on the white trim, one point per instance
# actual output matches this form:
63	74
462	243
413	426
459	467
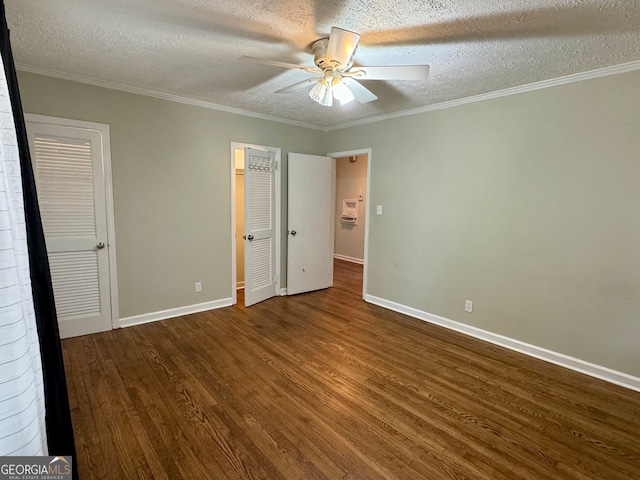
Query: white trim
278	174
278	216
234	266
367	217
553	82
162	96
345	258
174	312
575	364
334	185
64	122
104	129
283	292
111	228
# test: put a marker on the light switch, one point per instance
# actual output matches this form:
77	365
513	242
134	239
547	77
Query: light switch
379	210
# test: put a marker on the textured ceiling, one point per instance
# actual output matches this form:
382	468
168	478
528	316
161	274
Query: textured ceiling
190	48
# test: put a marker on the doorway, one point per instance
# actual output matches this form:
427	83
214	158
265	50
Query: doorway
254	273
351	220
239	230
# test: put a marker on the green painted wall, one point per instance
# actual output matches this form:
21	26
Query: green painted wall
524	204
527	205
172	185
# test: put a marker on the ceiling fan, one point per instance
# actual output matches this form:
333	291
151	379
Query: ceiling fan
339	79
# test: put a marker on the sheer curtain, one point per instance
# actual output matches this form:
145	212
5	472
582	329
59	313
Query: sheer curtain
22	408
30	349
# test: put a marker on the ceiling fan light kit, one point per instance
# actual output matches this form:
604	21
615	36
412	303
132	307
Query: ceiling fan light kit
321	94
331	87
333	57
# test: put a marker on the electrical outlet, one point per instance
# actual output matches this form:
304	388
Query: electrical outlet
379	210
198	287
468	306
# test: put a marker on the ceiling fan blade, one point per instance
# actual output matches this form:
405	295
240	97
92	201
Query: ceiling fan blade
275	63
395	72
298	85
360	92
342	44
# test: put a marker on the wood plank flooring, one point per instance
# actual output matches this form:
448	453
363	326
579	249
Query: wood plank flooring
347	276
325	386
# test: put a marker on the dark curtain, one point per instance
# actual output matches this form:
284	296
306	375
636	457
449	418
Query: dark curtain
58	417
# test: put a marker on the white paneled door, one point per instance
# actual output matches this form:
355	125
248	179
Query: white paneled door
70	179
259	226
311	197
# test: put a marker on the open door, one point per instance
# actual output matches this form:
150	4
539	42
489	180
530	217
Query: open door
259	225
311	199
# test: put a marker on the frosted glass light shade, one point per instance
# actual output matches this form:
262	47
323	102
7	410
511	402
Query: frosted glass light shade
342	93
324	92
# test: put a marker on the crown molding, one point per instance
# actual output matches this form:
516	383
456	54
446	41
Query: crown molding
163	96
530	87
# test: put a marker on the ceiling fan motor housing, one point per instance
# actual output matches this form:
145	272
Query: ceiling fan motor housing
319	50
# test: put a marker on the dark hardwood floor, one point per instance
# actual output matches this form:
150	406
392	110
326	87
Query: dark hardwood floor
347	276
325	386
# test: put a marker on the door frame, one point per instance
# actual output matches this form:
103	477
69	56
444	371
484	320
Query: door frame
103	128
278	213
349	153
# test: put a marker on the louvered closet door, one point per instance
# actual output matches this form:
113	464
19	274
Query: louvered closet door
259	226
68	166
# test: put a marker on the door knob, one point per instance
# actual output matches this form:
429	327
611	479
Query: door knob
293	233
250	237
100	245
244	237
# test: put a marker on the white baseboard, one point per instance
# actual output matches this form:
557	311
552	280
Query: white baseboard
359	261
174	312
283	291
593	370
